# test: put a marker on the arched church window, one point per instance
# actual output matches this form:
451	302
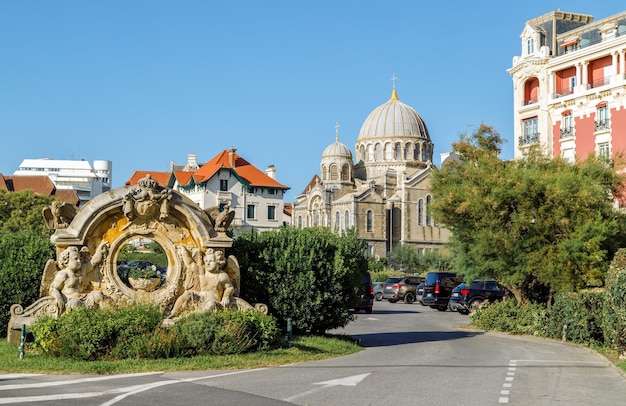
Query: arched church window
416	152
408	151
426	153
337	222
345	173
379	152
334	172
299	221
388	151
347	220
428	210
324	175
369	221
370	152
398	155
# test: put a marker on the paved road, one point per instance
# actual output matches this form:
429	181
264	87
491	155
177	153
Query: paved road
414	355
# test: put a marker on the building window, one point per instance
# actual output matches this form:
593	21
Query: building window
427	210
299	221
272	191
568	155
369	221
250	189
250	211
347	219
337	222
420	212
531	132
398	151
604	150
602	122
224	185
271	212
567	126
530	46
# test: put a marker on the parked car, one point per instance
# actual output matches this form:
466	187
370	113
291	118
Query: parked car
419	294
378	291
123	269
438	289
465	296
401	288
366	300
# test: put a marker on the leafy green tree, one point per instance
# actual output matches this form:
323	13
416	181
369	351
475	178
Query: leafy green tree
312	276
23	211
408	257
23	256
538	225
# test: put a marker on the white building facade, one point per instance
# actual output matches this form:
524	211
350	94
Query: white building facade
85	179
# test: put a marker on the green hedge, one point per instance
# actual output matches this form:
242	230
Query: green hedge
614	315
134	332
311	275
577	317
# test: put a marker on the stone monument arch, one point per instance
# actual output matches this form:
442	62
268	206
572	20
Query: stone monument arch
85	271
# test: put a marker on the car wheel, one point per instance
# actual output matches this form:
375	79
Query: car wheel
442	308
464	311
378	297
475	303
409	298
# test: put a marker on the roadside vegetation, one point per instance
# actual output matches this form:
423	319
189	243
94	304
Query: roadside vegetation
545	229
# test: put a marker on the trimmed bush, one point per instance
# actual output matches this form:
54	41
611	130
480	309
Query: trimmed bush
134	332
511	317
312	276
614	315
23	256
576	317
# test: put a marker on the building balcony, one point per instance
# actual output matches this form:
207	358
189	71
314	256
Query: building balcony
567	132
528	139
224	196
530	101
599	82
602	124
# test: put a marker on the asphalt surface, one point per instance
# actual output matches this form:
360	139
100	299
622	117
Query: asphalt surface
413	355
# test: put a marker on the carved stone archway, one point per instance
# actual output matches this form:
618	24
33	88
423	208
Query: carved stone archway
102	227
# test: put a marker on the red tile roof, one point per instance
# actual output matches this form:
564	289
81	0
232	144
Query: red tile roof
226	159
163	178
40	185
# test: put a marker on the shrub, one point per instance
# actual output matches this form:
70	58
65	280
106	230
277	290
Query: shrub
614	314
510	316
23	256
92	334
312	276
134	332
576	317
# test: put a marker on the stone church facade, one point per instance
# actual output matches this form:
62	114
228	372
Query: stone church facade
383	192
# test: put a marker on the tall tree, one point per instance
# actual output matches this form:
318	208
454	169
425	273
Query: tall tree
21	211
529	223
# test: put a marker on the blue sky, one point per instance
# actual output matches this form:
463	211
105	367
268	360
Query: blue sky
142	83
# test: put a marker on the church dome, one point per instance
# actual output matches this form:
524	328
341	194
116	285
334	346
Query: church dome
336	150
393	119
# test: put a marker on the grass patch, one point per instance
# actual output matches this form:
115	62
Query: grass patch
303	349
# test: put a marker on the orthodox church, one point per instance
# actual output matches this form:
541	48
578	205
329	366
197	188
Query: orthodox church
383	191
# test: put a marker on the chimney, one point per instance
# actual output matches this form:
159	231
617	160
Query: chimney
192	163
231	156
271	171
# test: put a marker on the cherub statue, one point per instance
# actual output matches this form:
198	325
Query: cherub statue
59	215
69	287
217	290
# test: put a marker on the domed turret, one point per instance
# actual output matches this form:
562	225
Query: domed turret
336	165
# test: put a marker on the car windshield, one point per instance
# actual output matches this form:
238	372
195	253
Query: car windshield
393	280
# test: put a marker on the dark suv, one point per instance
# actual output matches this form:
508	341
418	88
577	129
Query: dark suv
366	298
465	296
438	289
401	288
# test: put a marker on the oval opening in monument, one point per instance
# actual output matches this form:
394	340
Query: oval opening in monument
142	264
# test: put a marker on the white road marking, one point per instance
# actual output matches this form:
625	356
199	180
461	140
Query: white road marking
347	381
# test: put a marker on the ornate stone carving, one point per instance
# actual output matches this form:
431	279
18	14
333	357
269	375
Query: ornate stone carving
59	215
197	265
